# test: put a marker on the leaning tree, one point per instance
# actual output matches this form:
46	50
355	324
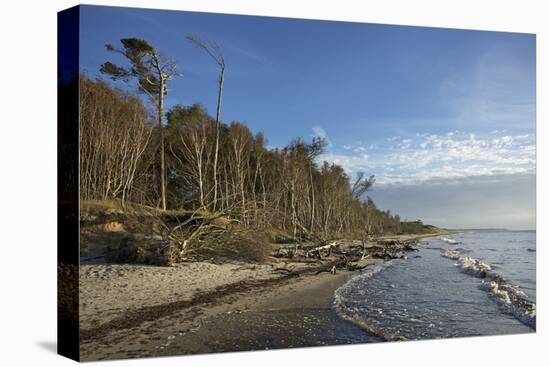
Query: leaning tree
213	49
152	71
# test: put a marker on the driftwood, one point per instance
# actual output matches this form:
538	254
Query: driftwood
331	270
332	244
318	251
341	255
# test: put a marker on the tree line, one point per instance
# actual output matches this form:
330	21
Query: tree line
185	158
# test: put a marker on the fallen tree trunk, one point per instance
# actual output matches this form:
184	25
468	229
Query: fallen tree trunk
332	244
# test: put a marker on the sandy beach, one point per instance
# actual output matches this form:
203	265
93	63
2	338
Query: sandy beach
129	311
185	300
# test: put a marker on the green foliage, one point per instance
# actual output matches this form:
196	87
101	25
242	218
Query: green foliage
145	66
417	227
115	72
309	151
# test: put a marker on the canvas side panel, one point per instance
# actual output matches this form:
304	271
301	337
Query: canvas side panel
67	182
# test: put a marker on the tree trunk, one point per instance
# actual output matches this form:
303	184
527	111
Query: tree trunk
312	223
161	144
218	110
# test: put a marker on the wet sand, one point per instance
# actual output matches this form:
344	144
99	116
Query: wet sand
300	315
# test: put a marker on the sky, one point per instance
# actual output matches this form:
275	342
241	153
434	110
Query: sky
444	118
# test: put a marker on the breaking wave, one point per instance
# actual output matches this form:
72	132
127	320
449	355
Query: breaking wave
344	292
509	295
450	241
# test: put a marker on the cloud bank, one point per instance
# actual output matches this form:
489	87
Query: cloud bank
432	158
453	180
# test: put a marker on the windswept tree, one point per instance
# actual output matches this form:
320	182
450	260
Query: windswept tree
362	184
213	49
152	72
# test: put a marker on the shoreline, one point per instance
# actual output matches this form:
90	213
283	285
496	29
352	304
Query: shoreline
298	314
143	311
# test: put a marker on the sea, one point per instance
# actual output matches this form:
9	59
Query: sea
472	283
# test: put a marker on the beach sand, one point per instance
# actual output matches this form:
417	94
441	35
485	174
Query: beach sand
273	309
129	311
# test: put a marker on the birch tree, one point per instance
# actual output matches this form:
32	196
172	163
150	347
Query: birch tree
114	136
188	131
213	49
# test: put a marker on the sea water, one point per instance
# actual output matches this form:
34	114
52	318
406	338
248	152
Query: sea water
466	284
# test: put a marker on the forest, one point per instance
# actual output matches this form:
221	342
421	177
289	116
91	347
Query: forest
134	151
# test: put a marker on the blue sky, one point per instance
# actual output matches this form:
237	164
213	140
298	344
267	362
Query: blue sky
425	110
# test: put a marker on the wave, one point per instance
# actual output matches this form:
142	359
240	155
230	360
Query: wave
450	241
344	292
468	264
509	295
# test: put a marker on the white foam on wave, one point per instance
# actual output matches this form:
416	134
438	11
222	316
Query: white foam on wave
507	294
497	290
341	293
344	293
513	298
468	263
449	240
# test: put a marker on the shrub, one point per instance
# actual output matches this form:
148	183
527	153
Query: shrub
237	244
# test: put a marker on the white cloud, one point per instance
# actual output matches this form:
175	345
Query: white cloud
320	132
432	158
